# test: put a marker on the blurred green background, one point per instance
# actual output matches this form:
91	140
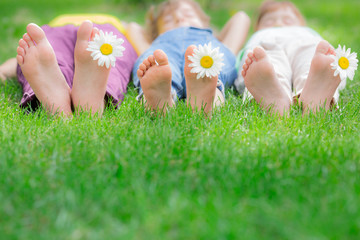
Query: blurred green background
334	20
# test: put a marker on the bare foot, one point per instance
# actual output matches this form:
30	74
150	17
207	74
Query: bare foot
201	92
261	81
90	80
155	80
38	63
321	84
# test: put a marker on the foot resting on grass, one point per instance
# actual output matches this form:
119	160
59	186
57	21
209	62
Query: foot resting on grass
321	84
201	93
155	79
38	63
261	81
90	79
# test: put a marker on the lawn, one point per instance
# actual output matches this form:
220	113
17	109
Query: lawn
129	175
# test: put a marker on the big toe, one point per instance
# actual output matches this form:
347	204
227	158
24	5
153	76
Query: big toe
35	32
161	57
85	30
323	47
259	53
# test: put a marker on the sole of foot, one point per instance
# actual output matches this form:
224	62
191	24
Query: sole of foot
321	84
201	92
38	63
90	79
155	79
261	81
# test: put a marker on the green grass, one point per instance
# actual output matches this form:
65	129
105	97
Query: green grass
129	175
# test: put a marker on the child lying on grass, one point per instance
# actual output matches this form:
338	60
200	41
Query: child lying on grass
285	61
162	73
55	68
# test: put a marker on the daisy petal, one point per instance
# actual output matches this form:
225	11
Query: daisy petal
108	58
210	68
342	52
107	63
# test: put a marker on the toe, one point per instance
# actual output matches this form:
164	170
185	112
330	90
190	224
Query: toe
23	44
245	66
142	67
243	73
146	62
85	31
20	51
323	47
152	60
250	58
161	57
35	32
259	53
140	73
20	59
28	40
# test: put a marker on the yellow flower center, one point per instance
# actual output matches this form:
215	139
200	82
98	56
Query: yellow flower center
206	62
344	63
106	49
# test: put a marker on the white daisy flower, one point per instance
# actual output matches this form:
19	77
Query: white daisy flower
206	61
105	48
345	63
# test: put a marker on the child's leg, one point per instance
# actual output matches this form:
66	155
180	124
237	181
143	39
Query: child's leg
321	85
39	66
8	69
201	93
155	78
234	33
267	85
300	54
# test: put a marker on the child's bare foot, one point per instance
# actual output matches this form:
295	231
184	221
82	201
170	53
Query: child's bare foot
200	92
261	81
38	63
321	84
155	80
90	79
